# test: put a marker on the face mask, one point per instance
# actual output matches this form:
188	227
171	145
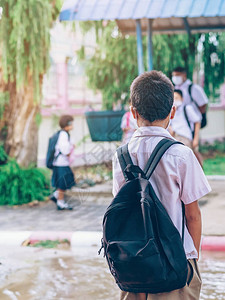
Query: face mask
177	103
177	80
169	121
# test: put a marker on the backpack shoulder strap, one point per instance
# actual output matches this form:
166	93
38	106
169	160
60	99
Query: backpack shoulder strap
189	92
156	155
155	151
186	116
187	120
57	134
124	159
153	161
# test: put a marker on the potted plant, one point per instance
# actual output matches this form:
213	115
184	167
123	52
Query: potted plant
105	125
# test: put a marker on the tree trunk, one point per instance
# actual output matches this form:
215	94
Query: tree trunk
20	120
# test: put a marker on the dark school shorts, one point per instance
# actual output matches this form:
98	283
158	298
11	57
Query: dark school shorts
63	178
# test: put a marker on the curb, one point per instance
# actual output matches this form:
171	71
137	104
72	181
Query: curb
213	243
86	239
76	239
215	177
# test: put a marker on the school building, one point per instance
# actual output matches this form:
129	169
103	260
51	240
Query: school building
65	92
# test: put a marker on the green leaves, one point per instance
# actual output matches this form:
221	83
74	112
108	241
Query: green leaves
22	185
25	39
171	51
114	64
214	61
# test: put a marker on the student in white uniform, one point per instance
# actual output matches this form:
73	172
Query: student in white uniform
185	121
62	177
179	78
188	136
178	176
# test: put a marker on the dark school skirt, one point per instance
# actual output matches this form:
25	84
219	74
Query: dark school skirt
63	178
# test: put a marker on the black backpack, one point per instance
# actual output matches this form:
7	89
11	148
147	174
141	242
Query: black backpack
143	248
204	119
50	158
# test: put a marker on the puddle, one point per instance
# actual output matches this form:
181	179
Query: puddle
212	267
82	275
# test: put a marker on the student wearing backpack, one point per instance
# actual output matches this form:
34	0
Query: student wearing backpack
182	125
62	177
177	178
192	93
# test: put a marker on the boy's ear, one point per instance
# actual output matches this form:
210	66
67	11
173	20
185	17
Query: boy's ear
133	111
173	111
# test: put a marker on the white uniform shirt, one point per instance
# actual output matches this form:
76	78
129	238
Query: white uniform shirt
179	123
64	146
197	94
177	177
128	121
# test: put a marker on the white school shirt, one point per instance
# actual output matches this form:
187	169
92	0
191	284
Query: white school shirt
179	123
177	177
64	146
197	94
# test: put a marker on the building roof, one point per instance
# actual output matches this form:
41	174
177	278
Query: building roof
169	16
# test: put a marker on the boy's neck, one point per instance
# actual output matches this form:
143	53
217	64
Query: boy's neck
159	123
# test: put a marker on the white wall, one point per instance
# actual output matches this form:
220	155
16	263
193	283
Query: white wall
215	128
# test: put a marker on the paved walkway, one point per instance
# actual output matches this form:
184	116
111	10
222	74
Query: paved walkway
89	207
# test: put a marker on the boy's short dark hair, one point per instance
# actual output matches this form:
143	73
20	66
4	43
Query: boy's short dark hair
151	93
180	69
178	92
65	120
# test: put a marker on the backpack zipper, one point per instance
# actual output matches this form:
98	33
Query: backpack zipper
100	250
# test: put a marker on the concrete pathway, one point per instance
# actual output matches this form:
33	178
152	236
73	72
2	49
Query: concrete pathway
89	207
83	225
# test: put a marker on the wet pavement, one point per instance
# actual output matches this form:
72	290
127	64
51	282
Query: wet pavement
46	274
79	274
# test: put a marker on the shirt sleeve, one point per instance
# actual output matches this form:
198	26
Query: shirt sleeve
118	178
64	145
191	179
192	115
199	95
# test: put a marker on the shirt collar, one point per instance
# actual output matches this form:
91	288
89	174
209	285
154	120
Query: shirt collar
186	83
151	131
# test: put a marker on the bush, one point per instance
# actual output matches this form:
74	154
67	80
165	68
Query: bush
212	149
22	185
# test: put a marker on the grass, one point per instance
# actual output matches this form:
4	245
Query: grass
49	243
215	165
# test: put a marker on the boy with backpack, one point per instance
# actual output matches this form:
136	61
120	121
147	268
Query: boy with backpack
185	120
59	160
186	124
193	94
176	179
